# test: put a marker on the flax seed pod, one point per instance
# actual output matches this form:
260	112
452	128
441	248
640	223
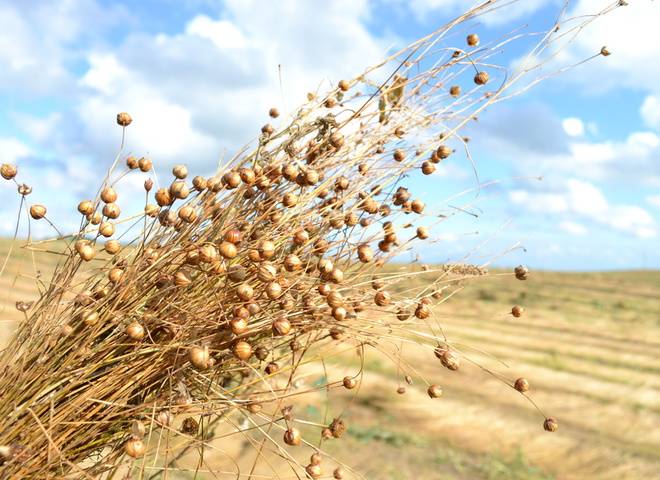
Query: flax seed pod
111	210
163	197
228	250
365	253
550	424
422	233
112	247
109	195
292	263
517	311
199	357
274	112
231	180
382	298
107	229
292	437
266	249
131	162
314	471
238	325
180	171
289	200
473	39
281	327
428	168
37	212
145	164
330	102
181	279
179	189
135	448
124	119
481	78
199	183
115	275
273	290
338	473
417	206
187	214
8	171
434	391
450	360
151	210
521	272
245	292
344	85
349	383
455	91
90	317
443	151
242	350
135	331
86	207
399	155
521	384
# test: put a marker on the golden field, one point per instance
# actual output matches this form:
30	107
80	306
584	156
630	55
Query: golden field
589	343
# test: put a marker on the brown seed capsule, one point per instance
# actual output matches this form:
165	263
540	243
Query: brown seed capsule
455	91
338	473
521	272
399	155
517	311
148	184
86	207
382	298
281	326
187	214
261	353
86	252
164	418
605	52
112	247
344	85
145	164
292	437
8	171
336	140
473	39
107	229
90	317
330	102
179	189
245	292
274	112
417	206
481	78
242	350
266	249
181	279
135	331
135	448
199	183
314	471
124	119
267	129
422	233
274	290
338	427
109	195
434	391
151	210
208	253
228	250
550	424
238	325
365	253
521	384
111	210
349	383
428	168
449	359
37	212
115	275
401	390
24	189
131	162
180	171
189	426
199	357
272	368
292	263
163	197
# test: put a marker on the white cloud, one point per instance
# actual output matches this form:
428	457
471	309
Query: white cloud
650	111
573	126
573	228
653	200
496	17
577	199
222	33
12	150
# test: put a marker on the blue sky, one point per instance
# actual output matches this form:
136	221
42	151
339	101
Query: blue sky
199	76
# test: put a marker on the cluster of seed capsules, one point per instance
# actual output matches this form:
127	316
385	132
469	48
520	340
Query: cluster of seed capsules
237	281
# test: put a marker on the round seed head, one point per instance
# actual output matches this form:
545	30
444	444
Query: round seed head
521	272
242	350
550	424
281	327
8	171
399	155
274	112
455	91
163	197
481	78
112	247
199	357
292	437
314	471
111	210
473	39
145	164
109	195
107	229
434	391
86	207
228	250
344	85
517	311
349	383
521	384
37	212
180	171
135	448
86	252
131	162
124	119
135	331
338	473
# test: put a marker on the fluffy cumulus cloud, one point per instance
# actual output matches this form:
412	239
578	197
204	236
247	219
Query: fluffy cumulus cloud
494	17
575	199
